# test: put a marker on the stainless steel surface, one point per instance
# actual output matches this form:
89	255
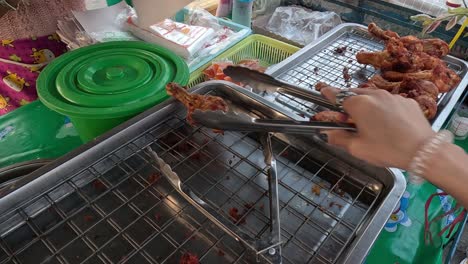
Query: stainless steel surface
232	121
273	195
108	203
261	82
318	62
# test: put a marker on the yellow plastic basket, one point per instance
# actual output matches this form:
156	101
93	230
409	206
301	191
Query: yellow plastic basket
267	50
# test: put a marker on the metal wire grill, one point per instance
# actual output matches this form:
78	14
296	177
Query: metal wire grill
328	66
119	210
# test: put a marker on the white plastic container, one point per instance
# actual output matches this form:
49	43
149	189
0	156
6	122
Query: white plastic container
459	123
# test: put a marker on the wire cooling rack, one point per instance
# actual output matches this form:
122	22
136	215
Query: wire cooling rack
120	209
328	63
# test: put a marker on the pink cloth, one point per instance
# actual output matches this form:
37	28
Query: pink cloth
36	18
17	82
18	43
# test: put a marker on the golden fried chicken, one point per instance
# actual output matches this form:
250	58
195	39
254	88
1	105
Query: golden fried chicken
415	88
378	82
195	101
331	116
433	47
428	105
396	57
422	91
410	87
444	78
320	85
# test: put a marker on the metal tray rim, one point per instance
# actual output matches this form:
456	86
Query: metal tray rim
437	123
50	176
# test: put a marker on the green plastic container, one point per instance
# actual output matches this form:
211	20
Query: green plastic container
103	85
266	50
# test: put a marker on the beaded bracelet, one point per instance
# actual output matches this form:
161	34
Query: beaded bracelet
417	166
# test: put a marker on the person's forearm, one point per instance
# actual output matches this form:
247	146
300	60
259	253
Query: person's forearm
448	170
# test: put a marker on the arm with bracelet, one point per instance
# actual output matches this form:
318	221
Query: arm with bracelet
393	132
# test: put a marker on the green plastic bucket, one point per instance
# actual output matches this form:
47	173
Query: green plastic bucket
103	85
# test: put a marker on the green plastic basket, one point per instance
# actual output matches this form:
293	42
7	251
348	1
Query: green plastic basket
267	50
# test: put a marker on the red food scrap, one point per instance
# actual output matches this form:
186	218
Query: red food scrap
340	50
189	258
196	156
183	147
346	76
249	206
261	207
236	216
221	253
157	217
88	218
153	178
285	154
316	189
339	206
98	185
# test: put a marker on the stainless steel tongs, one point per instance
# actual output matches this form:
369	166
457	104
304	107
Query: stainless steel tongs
242	122
264	82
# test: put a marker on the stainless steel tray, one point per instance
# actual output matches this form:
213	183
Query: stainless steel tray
318	62
106	203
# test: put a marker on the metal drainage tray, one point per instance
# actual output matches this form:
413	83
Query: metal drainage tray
108	203
318	62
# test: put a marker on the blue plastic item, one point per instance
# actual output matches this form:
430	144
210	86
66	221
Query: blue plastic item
180	17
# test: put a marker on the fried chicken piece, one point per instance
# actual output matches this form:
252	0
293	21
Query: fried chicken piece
378	82
444	78
433	47
415	88
380	33
396	57
320	85
195	101
331	116
428	105
411	87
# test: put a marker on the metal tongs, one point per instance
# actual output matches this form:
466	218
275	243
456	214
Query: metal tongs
242	122
264	82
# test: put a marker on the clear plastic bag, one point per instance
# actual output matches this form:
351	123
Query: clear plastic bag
222	38
298	24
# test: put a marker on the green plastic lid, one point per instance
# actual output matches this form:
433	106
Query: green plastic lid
110	80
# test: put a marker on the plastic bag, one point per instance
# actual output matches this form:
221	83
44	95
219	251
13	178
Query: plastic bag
73	33
223	37
265	7
298	24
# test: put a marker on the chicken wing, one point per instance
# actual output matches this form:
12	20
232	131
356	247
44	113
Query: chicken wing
331	116
195	101
410	87
428	105
434	47
396	57
444	78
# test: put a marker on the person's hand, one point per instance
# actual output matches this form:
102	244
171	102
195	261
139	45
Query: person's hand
390	128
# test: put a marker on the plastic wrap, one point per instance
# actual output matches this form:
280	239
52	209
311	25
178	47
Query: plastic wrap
90	27
264	7
222	38
298	24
